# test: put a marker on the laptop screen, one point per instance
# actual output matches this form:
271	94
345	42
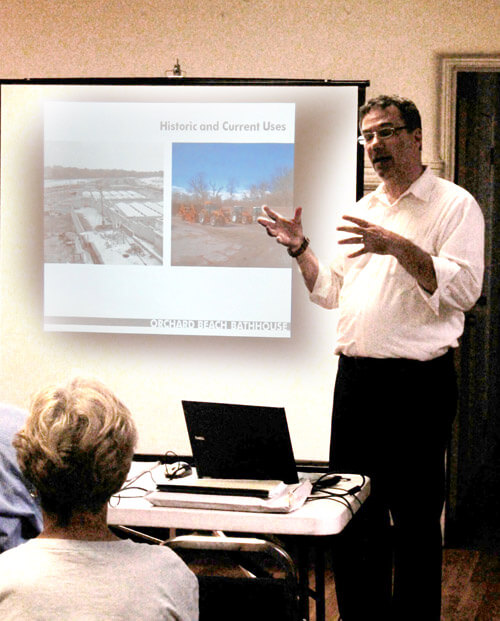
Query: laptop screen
232	441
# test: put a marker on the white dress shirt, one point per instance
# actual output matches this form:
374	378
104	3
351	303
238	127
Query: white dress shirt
383	312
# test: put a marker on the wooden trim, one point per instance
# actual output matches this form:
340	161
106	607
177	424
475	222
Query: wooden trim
450	66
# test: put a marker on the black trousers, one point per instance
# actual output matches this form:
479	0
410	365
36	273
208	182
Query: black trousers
392	421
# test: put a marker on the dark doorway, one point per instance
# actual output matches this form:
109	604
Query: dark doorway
473	502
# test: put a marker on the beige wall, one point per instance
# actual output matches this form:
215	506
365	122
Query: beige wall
394	44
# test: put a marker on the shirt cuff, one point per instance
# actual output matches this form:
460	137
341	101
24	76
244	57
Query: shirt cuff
324	292
445	270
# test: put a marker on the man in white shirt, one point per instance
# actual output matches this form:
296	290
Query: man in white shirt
416	267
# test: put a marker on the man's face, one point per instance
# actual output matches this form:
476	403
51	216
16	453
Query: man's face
396	157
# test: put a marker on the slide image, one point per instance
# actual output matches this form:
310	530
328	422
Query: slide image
145	202
218	190
101	216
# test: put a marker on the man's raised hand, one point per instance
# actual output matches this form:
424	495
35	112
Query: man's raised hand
287	232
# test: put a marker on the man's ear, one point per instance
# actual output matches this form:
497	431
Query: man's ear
418	137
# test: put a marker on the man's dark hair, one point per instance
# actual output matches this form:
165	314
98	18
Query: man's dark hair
408	110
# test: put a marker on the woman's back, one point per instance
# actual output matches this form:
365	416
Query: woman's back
51	579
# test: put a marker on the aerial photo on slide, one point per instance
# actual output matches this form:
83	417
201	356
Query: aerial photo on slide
101	215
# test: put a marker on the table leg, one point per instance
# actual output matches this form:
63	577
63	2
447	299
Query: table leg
303	563
319	577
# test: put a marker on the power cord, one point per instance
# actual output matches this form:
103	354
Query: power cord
175	468
129	485
322	490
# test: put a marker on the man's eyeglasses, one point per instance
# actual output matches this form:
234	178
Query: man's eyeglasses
383	134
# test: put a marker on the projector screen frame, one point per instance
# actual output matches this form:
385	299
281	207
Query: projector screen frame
362	85
120	362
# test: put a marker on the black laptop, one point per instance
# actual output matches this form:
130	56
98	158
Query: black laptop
238	442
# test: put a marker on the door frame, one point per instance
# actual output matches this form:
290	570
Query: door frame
450	67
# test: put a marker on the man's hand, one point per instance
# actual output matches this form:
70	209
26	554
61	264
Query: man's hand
417	262
287	232
373	237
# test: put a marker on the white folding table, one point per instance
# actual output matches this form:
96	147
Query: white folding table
310	523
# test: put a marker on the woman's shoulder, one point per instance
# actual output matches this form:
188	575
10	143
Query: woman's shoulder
159	555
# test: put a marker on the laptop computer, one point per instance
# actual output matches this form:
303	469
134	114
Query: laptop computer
231	441
234	443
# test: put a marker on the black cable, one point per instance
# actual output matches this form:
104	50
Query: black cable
320	492
182	468
328	480
169	457
129	482
119	496
340	498
129	485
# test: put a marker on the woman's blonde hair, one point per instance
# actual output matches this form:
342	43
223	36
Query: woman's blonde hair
76	446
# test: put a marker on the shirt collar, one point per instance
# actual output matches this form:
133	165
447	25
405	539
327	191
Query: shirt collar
421	188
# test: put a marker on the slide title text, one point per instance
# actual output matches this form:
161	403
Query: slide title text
225	126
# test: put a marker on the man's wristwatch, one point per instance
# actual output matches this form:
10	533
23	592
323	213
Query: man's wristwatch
300	249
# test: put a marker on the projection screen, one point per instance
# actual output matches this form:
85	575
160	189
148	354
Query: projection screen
130	246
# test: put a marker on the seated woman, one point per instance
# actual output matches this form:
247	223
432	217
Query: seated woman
76	447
